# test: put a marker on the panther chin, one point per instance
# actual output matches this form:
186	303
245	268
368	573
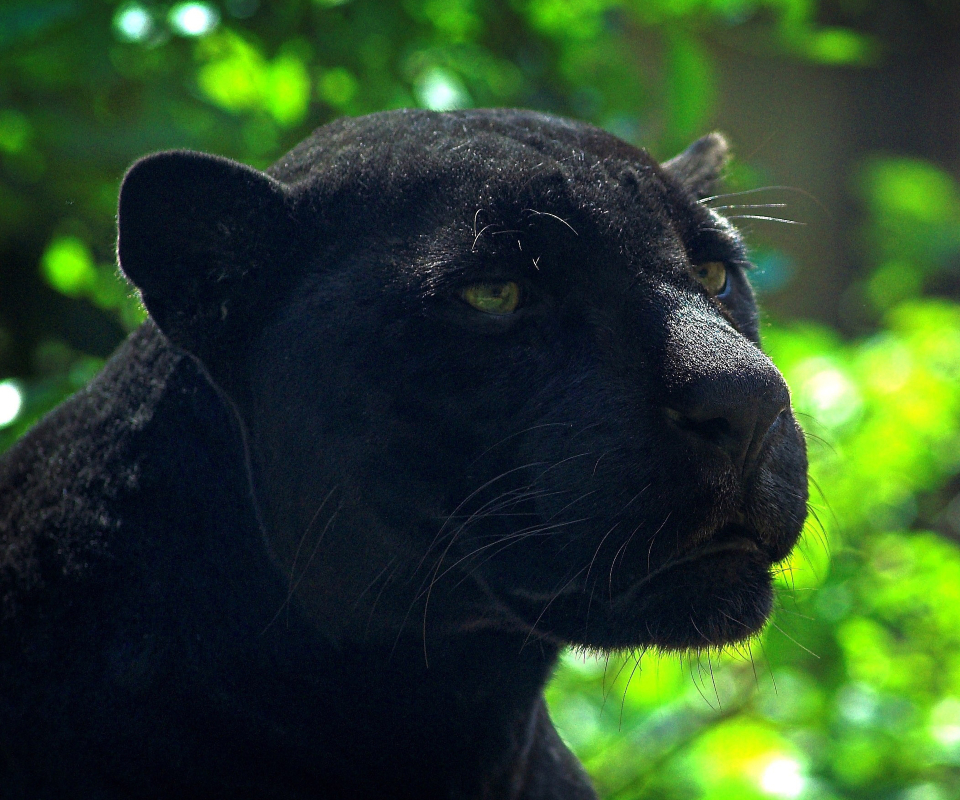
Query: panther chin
717	593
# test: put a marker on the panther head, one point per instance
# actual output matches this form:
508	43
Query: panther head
495	369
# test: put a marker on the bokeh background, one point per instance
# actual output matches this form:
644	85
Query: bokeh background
845	116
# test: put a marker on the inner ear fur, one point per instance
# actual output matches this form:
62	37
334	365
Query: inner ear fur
201	236
699	167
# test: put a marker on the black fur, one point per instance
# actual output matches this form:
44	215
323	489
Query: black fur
320	528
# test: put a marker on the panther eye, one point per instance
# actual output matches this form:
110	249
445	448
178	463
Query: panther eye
499	299
712	276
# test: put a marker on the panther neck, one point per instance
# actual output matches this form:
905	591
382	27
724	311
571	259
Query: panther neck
472	724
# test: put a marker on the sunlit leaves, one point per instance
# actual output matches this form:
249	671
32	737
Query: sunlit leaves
913	227
910	188
746	760
455	21
237	77
912	589
581	21
884	412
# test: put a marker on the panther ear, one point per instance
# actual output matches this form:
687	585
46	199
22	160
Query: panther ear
698	167
200	235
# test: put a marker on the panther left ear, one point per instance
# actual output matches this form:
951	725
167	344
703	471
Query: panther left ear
200	236
698	167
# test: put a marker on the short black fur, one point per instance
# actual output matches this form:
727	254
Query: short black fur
321	527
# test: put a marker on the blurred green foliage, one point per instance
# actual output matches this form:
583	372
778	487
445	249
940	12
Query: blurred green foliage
854	690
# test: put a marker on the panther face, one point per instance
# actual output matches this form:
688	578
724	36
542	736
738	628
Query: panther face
504	372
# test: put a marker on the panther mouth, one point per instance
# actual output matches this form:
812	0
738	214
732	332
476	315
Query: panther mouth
730	540
716	592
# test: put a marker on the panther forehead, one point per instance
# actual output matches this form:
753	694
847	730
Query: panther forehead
413	140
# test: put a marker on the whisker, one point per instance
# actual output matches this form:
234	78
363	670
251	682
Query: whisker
805	649
509	540
453	538
623	698
467	499
557	594
373	583
303	538
750	205
519	433
376	601
797	189
766	218
295	584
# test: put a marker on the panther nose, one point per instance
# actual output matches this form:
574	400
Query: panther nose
731	412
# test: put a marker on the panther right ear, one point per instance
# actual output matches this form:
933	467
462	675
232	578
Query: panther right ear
698	167
200	236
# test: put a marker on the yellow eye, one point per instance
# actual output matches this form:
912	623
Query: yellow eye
493	298
712	276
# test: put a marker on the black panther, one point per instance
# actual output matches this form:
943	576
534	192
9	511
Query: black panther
431	399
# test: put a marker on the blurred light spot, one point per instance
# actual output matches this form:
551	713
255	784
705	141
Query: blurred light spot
841	46
889	363
829	394
132	23
827	388
924	791
68	266
440	90
783	778
857	703
911	189
288	96
11	401
945	722
193	19
337	87
14	130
